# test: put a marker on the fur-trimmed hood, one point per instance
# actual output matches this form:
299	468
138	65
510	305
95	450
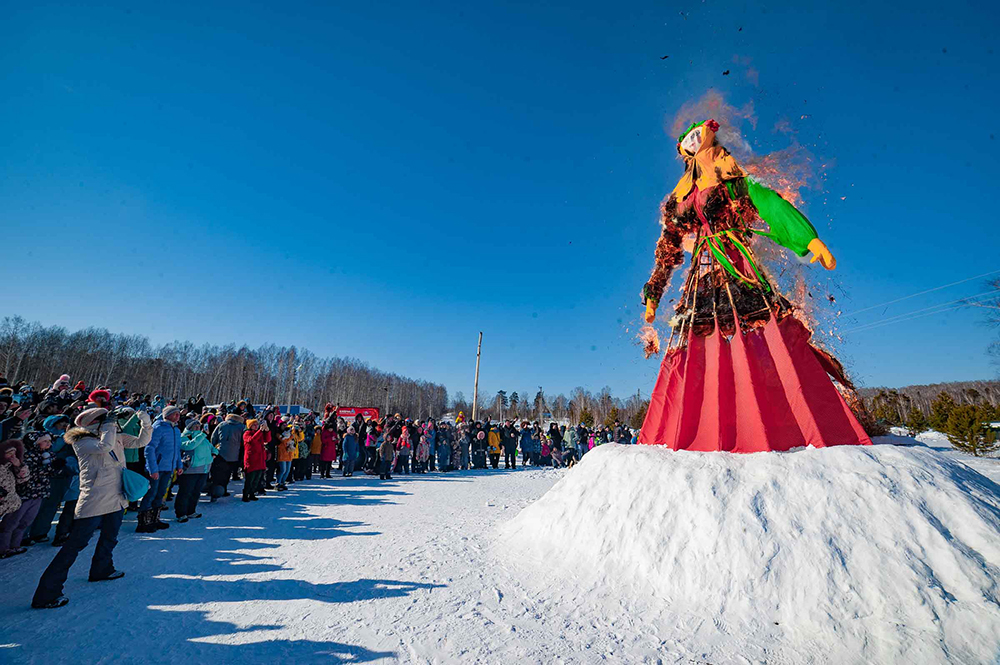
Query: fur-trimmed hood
74	434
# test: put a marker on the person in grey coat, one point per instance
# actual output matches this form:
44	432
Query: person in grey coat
100	451
228	438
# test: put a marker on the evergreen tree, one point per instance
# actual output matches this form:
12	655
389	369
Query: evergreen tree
887	405
514	401
587	418
500	404
966	429
916	422
639	417
612	416
941	409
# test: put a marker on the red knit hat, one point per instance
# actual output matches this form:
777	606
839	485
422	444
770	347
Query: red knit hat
80	385
104	395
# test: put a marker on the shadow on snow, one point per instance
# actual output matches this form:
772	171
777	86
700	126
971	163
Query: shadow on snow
158	612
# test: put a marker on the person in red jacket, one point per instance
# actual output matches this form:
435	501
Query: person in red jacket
329	453
254	457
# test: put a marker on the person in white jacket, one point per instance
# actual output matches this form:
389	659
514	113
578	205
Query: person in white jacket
100	448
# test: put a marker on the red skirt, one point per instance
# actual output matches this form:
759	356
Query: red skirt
759	391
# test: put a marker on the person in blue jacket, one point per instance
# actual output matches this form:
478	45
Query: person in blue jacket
163	458
350	454
527	445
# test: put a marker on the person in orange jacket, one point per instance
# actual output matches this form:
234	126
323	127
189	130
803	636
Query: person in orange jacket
285	451
316	450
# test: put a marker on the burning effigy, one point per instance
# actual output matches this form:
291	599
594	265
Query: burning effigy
739	372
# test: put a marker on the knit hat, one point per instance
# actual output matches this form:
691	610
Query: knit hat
251	423
33	436
169	411
80	385
99	395
87	418
47	404
64	379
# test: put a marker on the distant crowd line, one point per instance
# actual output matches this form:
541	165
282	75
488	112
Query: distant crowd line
79	460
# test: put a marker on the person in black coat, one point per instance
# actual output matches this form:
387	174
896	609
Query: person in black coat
360	427
508	439
555	436
413	430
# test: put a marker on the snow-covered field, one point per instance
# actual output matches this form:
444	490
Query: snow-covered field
874	554
451	568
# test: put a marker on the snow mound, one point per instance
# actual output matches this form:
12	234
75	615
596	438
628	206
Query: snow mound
865	554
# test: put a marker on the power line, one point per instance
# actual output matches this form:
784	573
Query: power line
892	319
872	326
914	295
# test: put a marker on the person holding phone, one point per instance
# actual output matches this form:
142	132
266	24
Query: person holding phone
100	451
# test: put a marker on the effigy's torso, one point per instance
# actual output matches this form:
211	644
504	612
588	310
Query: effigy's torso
727	279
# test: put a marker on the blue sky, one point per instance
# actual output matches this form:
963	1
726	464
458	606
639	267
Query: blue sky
385	180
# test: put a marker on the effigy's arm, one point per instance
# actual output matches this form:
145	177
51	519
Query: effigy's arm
788	227
669	255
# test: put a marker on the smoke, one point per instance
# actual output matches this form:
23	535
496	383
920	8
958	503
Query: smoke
787	171
730	118
794	172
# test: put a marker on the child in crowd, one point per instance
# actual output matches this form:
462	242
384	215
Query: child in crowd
403	447
423	454
386	452
349	454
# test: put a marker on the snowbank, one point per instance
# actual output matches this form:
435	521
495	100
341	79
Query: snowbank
865	554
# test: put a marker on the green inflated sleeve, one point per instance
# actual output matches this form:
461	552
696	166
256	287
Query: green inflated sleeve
789	227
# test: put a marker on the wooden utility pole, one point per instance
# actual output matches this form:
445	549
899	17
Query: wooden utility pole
475	389
291	386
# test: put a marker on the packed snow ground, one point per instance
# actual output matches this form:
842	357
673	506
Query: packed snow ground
428	569
874	554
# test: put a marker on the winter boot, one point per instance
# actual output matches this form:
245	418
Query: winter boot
157	522
145	524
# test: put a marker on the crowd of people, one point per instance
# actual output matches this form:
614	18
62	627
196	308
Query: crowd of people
81	459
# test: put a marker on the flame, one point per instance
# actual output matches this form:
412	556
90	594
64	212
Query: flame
795	173
650	340
786	171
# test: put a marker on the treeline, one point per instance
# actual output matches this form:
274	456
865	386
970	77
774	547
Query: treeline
270	374
894	404
964	411
591	409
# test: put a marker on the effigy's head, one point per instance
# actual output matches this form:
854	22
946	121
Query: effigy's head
696	137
